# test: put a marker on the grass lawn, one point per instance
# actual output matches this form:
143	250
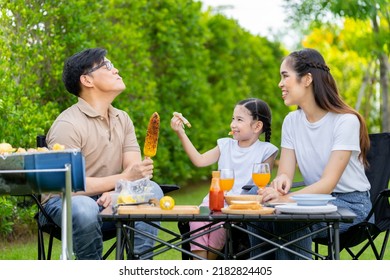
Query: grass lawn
27	249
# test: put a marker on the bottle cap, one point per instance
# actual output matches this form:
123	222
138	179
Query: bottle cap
216	174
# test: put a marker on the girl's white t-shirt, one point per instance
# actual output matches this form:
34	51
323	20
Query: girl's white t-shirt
241	160
314	142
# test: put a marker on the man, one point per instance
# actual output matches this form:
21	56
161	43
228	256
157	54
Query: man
106	138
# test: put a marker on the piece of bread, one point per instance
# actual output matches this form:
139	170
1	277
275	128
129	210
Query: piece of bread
248	206
183	119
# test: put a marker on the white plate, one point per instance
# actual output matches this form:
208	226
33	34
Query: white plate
312	199
273	204
298	209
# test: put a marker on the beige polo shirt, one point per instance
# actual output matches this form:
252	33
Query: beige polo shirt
102	145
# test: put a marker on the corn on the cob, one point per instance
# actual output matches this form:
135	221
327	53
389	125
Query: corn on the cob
151	140
6	148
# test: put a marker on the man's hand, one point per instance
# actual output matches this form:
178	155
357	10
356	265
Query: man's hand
104	200
139	170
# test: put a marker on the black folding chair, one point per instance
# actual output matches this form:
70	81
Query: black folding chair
366	232
54	231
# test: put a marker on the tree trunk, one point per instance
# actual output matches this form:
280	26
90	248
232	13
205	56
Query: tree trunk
363	88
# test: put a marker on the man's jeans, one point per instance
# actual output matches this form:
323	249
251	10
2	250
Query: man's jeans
87	226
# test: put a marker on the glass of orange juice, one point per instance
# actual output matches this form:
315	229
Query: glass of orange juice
261	174
226	180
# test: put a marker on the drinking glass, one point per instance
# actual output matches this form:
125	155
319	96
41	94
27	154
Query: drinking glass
261	174
226	180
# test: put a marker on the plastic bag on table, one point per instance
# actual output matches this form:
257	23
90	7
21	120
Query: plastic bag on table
133	191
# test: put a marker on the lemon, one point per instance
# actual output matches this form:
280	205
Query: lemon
167	203
126	199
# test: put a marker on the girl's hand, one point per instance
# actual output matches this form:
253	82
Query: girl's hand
282	184
177	124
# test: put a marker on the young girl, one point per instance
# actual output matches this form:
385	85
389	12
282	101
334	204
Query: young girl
325	137
251	118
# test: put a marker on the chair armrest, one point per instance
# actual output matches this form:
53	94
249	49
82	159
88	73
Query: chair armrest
169	188
385	193
298	184
294	185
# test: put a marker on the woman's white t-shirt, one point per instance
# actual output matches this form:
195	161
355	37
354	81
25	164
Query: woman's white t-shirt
314	142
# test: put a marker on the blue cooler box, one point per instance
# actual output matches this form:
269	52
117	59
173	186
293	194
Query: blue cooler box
42	182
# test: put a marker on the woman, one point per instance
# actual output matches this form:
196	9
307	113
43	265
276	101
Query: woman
325	137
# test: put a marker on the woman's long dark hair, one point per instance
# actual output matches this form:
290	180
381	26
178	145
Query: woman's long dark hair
325	90
260	111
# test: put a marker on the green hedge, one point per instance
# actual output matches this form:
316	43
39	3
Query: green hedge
171	55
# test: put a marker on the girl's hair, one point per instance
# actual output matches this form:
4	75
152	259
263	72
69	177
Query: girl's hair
260	111
325	90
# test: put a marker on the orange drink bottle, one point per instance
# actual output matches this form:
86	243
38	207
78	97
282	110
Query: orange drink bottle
216	198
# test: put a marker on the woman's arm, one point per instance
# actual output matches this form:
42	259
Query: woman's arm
286	171
335	167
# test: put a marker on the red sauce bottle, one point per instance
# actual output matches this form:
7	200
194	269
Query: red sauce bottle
216	195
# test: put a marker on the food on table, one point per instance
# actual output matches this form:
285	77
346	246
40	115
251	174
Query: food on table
151	140
230	199
167	203
247	205
125	198
182	118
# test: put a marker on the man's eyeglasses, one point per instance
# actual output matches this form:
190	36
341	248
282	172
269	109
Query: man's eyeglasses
106	63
